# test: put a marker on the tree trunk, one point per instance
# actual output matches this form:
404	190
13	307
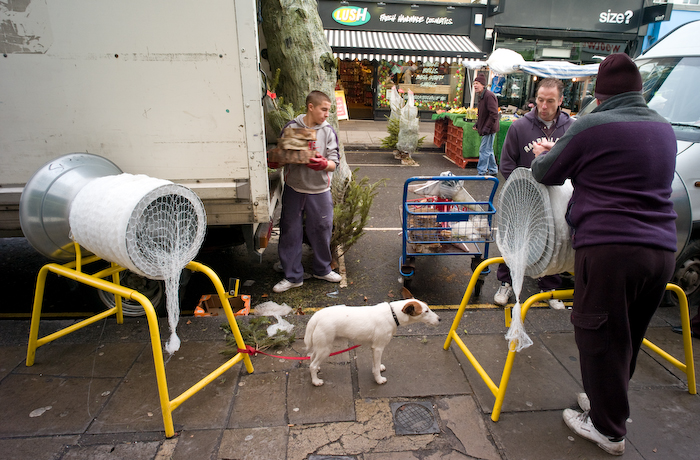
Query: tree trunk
297	46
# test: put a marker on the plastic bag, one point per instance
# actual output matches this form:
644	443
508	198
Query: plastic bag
440	188
504	61
396	103
271	308
281	325
409	127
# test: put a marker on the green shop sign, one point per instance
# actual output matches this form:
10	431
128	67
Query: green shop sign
351	15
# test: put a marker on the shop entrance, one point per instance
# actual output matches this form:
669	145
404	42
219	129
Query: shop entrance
355	78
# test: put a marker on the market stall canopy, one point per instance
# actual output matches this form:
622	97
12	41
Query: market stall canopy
362	44
559	69
504	61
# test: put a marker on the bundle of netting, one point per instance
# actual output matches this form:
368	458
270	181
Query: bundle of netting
150	226
533	237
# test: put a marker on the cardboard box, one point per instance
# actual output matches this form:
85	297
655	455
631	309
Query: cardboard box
283	156
210	305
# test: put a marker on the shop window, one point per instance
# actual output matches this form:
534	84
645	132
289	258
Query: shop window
435	85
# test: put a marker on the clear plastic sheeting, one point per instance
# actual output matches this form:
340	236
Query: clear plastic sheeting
150	226
533	237
409	127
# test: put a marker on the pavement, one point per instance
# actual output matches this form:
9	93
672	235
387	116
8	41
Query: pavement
92	394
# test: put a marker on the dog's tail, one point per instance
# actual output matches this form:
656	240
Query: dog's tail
308	335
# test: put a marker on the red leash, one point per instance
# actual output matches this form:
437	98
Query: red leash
252	351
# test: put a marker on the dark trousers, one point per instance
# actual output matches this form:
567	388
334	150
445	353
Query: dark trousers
617	289
318	210
546	283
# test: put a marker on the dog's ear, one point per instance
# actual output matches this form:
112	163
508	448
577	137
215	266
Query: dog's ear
406	293
412	308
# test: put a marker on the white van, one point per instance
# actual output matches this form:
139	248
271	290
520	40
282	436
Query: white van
671	74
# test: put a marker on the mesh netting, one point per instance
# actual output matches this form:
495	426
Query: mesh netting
533	237
150	226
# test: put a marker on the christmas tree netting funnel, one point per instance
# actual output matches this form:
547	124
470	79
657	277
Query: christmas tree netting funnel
150	226
533	237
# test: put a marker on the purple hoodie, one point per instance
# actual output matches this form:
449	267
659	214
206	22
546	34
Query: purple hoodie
523	134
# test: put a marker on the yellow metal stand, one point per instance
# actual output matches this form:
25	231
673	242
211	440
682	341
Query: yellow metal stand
500	391
73	270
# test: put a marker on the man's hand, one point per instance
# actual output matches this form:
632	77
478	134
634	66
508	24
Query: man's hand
318	163
542	147
272	164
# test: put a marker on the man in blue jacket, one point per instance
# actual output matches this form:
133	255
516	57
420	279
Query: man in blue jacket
545	122
487	126
621	160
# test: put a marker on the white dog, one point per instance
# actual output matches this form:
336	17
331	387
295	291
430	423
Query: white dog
373	325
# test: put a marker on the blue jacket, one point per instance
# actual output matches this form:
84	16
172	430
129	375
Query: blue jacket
621	159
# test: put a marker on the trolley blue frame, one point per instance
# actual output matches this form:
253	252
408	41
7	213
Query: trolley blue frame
406	268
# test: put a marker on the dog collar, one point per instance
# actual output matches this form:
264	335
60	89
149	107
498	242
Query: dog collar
396	320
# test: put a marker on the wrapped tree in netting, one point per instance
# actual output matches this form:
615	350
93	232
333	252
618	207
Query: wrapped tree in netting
408	126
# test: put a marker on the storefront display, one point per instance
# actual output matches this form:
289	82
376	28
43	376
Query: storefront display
417	47
435	85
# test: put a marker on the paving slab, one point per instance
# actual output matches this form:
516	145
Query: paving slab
132	451
260	400
84	359
36	448
659	426
48	405
671	343
415	366
254	444
135	405
544	435
648	373
372	432
461	415
491	321
544	319
537	381
11	358
331	402
197	444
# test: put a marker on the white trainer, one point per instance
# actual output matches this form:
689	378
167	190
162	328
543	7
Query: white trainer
581	424
583	402
285	285
331	276
555	304
503	295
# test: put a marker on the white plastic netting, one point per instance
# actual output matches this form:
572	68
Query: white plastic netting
150	226
533	237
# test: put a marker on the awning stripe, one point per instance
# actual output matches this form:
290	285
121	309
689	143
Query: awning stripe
366	42
401	57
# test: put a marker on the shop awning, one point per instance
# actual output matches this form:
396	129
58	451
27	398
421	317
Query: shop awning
360	44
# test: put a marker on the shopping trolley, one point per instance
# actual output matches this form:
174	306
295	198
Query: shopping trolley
446	221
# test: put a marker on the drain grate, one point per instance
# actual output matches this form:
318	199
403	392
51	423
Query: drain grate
416	417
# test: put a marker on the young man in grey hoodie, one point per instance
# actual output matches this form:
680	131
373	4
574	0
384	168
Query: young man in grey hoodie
307	201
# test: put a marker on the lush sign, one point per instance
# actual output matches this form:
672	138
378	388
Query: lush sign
351	15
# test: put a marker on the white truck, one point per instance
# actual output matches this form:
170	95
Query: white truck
671	71
170	89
